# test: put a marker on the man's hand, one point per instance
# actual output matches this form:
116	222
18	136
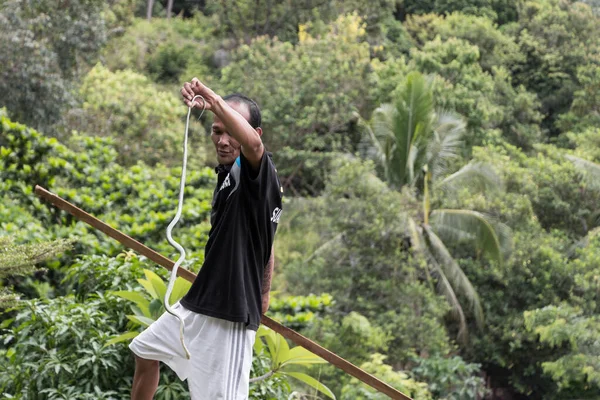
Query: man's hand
194	88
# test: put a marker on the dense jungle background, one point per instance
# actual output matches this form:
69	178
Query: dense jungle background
440	161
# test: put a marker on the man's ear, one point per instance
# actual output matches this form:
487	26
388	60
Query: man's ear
259	131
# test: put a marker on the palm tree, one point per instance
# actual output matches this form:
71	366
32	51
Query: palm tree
414	144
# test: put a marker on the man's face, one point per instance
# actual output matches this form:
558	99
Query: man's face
228	149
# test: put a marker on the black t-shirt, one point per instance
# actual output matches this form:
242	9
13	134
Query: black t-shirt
244	218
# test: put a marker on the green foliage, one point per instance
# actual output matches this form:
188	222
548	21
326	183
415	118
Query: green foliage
585	109
86	178
56	41
508	107
56	348
414	146
282	358
398	380
534	276
274	347
450	378
360	256
563	325
168	51
309	93
551	183
587	143
557	37
245	20
109	274
572	327
147	123
590	171
407	135
501	11
486	100
60	345
496	48
297	312
20	260
147	311
353	336
276	387
518	72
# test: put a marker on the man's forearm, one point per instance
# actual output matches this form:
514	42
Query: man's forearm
266	285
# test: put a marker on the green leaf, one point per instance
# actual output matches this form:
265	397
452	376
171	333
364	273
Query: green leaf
180	289
259	346
157	282
478	176
121	338
149	288
300	356
283	350
156	308
278	347
6	323
145	321
492	237
452	279
258	343
400	131
139	299
309	380
10	352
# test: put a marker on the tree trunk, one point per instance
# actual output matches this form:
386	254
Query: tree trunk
169	8
149	10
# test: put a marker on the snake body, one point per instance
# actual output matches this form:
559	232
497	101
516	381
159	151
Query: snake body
174	222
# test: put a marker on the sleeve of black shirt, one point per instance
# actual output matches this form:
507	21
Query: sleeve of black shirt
258	183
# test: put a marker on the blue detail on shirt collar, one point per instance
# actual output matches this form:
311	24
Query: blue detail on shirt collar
226	168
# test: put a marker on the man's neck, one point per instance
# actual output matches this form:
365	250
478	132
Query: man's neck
223	168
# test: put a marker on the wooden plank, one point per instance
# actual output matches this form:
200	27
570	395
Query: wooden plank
288	333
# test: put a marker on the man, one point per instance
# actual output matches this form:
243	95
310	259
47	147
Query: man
223	308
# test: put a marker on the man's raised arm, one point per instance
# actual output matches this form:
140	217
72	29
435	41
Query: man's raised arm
236	124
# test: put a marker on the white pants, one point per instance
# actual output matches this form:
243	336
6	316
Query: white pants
221	353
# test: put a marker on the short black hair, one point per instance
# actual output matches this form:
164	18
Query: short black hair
255	116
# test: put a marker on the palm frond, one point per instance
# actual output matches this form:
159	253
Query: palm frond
383	138
452	233
415	107
396	129
370	146
477	176
590	170
446	143
415	112
452	279
413	156
492	237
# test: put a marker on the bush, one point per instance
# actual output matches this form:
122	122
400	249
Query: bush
147	124
141	202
